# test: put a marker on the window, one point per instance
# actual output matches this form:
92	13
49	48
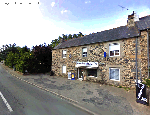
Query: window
84	52
114	49
92	72
114	74
63	69
64	53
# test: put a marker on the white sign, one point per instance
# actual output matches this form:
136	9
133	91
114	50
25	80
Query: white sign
69	75
86	64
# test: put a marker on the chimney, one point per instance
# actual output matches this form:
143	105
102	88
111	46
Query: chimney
132	19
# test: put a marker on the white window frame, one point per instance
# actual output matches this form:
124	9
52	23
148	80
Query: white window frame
64	69
113	47
64	53
84	49
109	74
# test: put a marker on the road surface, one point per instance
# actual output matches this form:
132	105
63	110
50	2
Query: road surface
25	99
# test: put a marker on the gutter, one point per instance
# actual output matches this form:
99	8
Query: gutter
148	51
136	62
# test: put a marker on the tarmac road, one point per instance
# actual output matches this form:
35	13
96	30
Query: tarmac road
25	99
94	97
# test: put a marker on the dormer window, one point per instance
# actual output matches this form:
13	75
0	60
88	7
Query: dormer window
64	53
84	52
114	49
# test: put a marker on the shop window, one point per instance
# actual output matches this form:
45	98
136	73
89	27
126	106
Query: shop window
63	69
92	72
114	74
64	53
114	49
84	52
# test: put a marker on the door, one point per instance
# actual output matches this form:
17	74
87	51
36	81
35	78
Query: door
80	72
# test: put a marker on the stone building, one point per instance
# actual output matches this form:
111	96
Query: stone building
116	56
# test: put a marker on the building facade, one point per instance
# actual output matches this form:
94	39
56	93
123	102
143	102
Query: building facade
109	56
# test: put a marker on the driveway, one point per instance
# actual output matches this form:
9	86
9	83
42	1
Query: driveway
100	99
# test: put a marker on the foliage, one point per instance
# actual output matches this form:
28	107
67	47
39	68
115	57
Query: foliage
6	50
120	87
64	38
69	37
75	36
10	59
126	88
146	82
35	61
43	58
80	34
19	57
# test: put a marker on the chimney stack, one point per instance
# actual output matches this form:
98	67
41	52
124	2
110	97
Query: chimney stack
132	19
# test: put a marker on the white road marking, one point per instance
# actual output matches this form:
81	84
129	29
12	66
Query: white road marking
5	101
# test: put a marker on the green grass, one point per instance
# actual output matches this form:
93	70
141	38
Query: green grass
147	82
126	88
120	87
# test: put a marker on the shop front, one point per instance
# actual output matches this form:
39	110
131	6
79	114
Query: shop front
85	69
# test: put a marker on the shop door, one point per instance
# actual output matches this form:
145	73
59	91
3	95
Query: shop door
80	73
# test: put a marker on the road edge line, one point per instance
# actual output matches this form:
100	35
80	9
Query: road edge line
5	101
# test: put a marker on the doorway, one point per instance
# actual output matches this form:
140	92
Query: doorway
80	73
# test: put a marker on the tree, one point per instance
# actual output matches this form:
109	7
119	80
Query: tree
64	37
10	59
19	57
55	43
80	34
43	58
75	36
69	37
59	39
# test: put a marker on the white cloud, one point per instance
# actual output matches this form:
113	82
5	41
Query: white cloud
25	25
87	2
52	4
64	11
144	12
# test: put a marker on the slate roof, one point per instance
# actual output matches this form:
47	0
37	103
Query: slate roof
108	35
143	23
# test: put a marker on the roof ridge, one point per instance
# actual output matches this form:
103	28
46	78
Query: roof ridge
144	16
112	29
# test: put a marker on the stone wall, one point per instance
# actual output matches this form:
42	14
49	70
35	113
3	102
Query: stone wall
126	61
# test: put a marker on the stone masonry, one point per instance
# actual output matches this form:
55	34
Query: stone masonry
95	53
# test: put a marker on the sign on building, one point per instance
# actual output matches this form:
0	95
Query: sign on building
86	64
69	75
141	94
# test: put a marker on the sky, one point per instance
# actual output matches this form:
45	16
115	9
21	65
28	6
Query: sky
33	22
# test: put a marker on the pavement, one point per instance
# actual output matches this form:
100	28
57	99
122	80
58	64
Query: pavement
92	97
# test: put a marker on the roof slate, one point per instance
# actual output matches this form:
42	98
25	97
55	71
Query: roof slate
143	23
108	35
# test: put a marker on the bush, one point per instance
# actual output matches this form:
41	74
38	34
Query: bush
120	87
147	82
10	59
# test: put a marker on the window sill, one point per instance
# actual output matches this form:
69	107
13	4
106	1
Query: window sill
114	80
84	57
114	56
92	76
